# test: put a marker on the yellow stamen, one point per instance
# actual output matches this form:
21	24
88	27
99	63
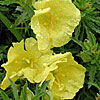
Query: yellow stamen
60	74
56	83
45	24
52	24
57	79
49	15
27	60
31	64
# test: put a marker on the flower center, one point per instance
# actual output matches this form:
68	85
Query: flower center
48	21
57	79
24	62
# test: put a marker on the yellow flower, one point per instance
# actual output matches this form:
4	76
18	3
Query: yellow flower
66	75
25	62
67	78
54	22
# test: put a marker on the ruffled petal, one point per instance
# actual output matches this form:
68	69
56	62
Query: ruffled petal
5	83
41	32
54	22
15	51
69	78
32	48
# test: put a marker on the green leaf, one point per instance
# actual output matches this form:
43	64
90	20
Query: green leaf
29	11
24	93
97	6
37	97
20	19
92	73
41	90
78	42
19	8
45	97
29	2
3	8
15	92
77	4
87	44
94	19
7	2
25	16
92	26
2	48
4	96
43	87
30	94
77	31
48	95
85	57
92	38
95	85
1	56
8	25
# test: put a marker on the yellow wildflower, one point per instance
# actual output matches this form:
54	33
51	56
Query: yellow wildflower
54	22
67	78
24	62
66	75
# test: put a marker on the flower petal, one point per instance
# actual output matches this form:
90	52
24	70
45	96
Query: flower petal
28	73
32	48
5	83
54	22
16	51
66	19
69	78
40	31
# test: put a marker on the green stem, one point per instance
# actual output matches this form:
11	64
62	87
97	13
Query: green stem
8	25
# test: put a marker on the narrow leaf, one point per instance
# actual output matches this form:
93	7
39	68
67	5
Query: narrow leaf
41	90
7	2
92	73
8	25
15	92
24	93
30	94
4	95
43	87
78	42
20	19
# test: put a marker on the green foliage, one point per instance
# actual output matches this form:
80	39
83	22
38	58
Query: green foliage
4	96
8	2
3	52
48	95
15	92
25	8
27	94
24	93
8	25
90	18
23	13
30	94
40	91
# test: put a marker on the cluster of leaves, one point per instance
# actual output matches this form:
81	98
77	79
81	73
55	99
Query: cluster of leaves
90	19
16	15
90	56
89	43
21	17
27	94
